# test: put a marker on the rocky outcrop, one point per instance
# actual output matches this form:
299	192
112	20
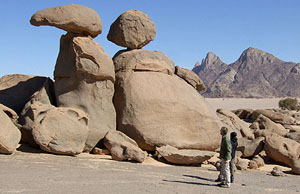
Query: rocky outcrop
17	89
264	123
71	18
61	130
155	107
282	149
250	148
276	117
132	29
123	148
184	156
143	60
234	123
190	77
255	74
9	134
84	79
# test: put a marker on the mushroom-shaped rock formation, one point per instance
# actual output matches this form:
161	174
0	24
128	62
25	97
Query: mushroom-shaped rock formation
73	18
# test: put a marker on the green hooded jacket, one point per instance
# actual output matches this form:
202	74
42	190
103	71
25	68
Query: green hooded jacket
225	151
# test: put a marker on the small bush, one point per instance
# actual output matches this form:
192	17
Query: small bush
289	104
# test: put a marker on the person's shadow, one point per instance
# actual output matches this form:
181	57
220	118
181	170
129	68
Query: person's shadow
194	183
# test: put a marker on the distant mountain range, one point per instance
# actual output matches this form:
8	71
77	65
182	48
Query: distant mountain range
255	74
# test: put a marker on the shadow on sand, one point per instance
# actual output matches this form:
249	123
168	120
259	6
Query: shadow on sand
194	183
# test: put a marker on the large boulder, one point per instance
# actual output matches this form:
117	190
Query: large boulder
190	77
264	123
276	117
143	60
234	123
9	134
62	131
17	89
123	148
73	18
41	101
10	113
282	149
250	148
184	156
156	109
84	79
132	29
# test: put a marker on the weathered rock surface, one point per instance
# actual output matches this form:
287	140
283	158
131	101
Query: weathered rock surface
10	113
143	60
157	109
122	147
296	166
282	149
73	18
184	156
41	101
190	77
243	113
250	148
255	74
242	164
132	29
294	136
234	123
16	90
264	123
276	117
62	131
84	79
9	134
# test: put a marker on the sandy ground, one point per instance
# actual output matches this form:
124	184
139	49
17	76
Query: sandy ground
31	171
243	103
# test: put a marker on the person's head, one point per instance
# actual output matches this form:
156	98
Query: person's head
233	135
223	131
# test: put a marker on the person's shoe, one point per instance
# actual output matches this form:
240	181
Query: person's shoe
218	180
224	186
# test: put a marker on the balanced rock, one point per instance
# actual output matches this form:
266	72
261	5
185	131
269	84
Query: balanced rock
17	89
282	149
264	123
143	60
62	131
190	77
73	18
122	147
234	123
184	156
132	29
157	108
84	79
9	134
250	148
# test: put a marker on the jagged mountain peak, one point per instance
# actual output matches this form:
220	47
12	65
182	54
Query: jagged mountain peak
257	55
211	58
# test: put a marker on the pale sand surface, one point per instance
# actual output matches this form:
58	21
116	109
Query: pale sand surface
244	103
31	171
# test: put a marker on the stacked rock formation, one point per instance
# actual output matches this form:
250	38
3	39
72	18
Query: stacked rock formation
84	84
154	106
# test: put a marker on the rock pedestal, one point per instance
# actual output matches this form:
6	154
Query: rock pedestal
84	79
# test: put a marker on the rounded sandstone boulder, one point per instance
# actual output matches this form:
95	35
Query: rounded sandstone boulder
132	29
72	18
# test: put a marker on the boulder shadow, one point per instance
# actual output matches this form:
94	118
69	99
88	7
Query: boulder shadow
28	149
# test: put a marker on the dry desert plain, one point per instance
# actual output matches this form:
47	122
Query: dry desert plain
33	171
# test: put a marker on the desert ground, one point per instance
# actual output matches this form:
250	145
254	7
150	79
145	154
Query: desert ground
33	171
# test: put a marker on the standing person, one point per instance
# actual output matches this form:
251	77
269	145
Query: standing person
225	155
234	145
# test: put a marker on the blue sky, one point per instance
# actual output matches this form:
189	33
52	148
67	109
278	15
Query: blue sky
186	30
